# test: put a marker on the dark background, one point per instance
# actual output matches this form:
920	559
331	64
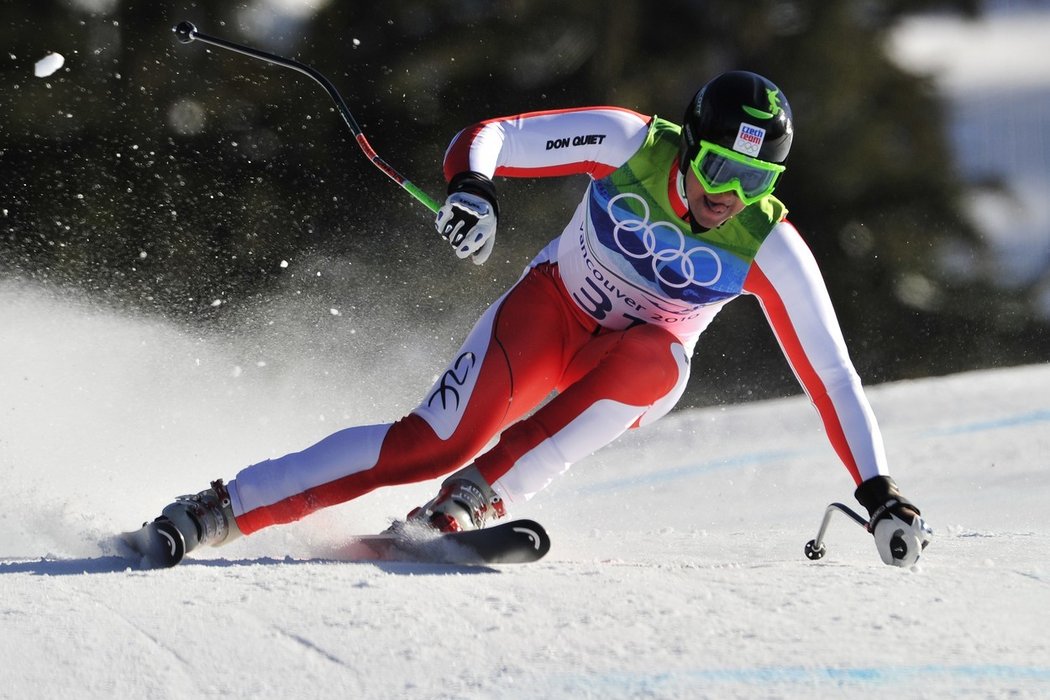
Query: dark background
198	185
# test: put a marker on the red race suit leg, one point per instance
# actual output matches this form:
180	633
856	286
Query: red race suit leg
531	342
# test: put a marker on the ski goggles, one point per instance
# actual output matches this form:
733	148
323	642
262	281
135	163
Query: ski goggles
722	170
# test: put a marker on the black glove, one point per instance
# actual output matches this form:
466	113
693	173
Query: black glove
899	530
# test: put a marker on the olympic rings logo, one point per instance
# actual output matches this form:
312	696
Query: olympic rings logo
663	257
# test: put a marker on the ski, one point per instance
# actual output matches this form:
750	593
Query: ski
159	544
515	542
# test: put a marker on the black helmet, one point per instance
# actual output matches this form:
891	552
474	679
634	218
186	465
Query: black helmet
740	111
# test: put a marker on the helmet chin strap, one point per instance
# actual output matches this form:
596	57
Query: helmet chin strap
695	227
690	217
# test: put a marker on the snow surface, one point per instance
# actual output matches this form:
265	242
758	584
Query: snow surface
677	569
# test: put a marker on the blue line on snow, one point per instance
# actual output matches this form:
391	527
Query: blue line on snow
997	424
675	473
625	680
753	458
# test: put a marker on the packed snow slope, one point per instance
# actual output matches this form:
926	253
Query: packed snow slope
677	569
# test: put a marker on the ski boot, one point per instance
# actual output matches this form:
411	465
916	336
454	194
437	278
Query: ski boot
205	518
465	502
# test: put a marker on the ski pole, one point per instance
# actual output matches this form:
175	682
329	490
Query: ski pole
815	548
187	33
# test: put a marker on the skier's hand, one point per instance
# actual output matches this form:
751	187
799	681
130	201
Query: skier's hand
900	533
468	223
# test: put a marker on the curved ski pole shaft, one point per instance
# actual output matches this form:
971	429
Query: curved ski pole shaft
186	33
815	548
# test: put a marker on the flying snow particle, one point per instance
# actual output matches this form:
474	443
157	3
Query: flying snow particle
334	312
48	65
216	303
357	42
284	264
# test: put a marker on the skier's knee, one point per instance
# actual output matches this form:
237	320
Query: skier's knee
656	363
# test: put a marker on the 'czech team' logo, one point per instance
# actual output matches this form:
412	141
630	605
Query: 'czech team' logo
749	140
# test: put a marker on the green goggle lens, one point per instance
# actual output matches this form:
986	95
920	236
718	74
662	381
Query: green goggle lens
721	170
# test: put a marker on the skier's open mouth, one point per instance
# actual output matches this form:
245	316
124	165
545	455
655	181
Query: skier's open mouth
716	208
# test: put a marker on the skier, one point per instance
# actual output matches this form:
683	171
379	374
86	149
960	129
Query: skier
674	224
